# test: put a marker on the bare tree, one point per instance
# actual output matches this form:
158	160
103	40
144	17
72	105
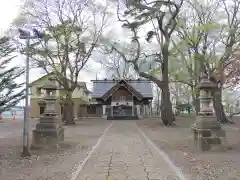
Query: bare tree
180	93
116	67
163	23
209	36
72	31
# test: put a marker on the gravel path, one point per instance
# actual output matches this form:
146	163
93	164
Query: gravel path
123	153
50	164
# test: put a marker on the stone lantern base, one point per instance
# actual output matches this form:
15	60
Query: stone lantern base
207	131
48	133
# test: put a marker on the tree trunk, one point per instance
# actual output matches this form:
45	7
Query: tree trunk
158	101
68	113
195	98
167	115
196	103
218	107
158	109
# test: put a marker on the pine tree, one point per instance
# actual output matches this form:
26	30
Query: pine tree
161	16
11	92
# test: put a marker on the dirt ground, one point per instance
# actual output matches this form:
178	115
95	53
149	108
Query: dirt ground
49	164
177	142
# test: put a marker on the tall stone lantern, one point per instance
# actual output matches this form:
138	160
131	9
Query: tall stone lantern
206	129
49	130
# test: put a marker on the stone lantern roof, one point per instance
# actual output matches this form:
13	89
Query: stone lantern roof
205	83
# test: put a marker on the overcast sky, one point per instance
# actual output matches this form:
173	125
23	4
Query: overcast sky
9	9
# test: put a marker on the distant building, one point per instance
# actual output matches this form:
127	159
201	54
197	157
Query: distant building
120	99
37	104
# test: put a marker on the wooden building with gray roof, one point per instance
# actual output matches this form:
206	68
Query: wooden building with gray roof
120	99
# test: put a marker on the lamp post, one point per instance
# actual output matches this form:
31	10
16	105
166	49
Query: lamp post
26	35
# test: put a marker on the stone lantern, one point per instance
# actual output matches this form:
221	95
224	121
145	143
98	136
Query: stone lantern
49	130
206	129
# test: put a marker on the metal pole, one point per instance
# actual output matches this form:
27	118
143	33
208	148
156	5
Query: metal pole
26	152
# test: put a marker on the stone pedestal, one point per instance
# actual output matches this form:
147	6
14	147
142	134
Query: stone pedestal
207	131
49	132
205	122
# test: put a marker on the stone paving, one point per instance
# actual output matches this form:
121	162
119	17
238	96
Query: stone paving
124	154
